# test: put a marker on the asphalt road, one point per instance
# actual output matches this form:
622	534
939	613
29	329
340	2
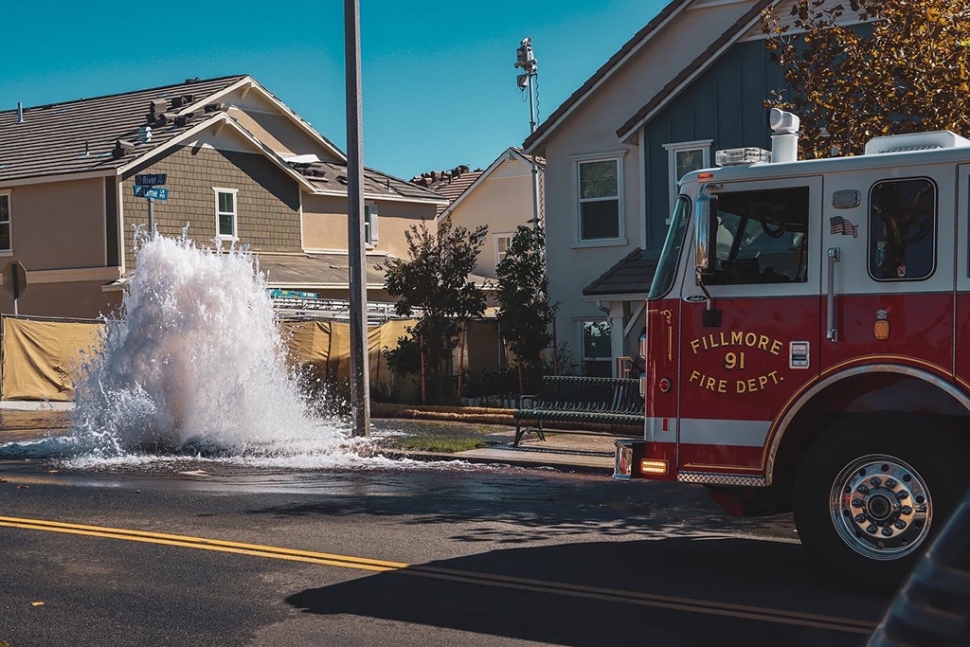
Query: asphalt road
419	557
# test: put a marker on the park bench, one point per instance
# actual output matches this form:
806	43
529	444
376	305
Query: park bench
601	400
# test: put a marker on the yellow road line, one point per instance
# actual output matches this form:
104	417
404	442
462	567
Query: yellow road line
212	542
201	546
763	614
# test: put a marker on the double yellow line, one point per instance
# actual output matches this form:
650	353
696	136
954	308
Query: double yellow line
707	607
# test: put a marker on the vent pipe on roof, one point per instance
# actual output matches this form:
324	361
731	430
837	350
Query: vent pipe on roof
20	113
784	138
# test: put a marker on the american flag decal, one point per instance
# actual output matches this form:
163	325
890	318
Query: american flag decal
844	226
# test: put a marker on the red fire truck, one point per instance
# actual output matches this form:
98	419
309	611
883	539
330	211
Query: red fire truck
808	343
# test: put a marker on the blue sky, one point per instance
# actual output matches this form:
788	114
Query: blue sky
439	81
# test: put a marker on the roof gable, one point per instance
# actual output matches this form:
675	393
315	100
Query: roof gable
708	57
604	72
508	155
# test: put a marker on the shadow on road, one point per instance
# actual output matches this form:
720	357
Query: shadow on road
738	571
523	510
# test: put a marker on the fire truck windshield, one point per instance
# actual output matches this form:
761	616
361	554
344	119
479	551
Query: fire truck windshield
663	280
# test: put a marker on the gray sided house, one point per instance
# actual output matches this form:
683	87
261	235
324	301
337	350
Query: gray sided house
693	81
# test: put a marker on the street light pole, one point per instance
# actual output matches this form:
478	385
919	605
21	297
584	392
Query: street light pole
526	60
359	372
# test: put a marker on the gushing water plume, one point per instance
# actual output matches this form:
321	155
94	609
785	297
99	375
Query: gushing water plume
195	361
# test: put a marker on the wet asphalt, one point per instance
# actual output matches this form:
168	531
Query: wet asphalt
517	557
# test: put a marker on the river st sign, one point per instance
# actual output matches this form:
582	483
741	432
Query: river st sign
153	179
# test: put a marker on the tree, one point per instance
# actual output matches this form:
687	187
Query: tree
906	70
523	295
434	286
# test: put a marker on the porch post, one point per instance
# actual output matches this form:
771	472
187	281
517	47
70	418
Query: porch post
617	322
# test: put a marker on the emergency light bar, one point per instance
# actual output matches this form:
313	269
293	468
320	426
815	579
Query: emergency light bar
741	156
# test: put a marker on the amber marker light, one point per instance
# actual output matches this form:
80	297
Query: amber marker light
704	176
648	466
881	329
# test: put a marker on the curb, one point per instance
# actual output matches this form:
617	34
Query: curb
514	461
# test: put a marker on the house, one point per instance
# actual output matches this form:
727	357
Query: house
241	167
500	197
691	82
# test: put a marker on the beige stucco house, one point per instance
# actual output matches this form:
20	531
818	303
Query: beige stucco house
240	166
500	197
692	81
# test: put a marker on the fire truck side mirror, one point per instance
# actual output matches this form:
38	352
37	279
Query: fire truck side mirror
705	233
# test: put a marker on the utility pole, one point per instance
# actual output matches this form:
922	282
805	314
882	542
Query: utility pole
359	373
526	60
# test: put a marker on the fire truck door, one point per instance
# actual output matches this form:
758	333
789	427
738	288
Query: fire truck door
891	270
760	343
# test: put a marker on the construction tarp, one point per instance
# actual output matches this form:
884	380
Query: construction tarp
42	360
326	346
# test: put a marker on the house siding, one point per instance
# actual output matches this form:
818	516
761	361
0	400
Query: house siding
267	208
325	223
724	104
503	201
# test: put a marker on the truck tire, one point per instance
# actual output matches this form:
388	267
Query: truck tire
872	491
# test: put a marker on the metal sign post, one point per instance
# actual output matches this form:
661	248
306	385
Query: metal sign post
149	187
15	279
359	386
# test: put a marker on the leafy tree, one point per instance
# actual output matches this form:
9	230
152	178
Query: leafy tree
523	295
906	70
434	286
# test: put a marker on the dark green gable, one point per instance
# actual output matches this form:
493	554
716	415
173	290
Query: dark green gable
725	104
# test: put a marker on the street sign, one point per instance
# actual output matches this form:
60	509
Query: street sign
15	281
154	179
151	192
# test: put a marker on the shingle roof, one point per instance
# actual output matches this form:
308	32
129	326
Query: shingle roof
605	69
448	184
79	136
325	271
319	270
333	176
632	275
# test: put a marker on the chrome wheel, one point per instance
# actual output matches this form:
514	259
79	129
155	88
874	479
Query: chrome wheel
881	507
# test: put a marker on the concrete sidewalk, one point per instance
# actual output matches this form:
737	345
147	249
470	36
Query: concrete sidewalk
566	452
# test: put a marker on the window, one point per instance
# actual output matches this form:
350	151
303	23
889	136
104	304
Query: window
502	243
902	230
684	158
663	279
599	199
4	223
762	237
370	224
597	349
226	213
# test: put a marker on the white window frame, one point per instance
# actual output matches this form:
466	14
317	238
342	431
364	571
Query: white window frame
235	213
608	360
578	161
703	145
496	237
371	228
9	223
